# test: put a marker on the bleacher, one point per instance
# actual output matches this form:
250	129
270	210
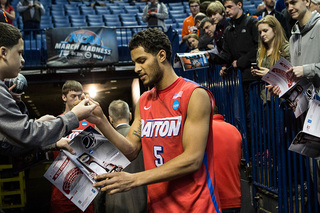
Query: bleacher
57	10
64	13
119	14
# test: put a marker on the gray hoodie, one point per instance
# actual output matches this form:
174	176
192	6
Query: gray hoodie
305	49
18	133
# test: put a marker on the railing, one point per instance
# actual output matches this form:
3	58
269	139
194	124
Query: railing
289	177
228	97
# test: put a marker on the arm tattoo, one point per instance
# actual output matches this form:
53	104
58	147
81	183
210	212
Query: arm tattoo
137	132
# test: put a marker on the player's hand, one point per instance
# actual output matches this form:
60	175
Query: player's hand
115	182
97	116
63	143
84	109
274	90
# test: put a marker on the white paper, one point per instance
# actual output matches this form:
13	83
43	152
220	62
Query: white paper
297	93
71	181
299	96
277	76
307	142
74	174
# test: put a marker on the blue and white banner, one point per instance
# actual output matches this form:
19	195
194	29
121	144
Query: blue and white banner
84	46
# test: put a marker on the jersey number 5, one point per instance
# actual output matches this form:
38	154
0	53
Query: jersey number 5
157	150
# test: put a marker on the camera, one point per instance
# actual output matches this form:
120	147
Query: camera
20	81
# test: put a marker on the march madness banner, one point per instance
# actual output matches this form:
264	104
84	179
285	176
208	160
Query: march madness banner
78	47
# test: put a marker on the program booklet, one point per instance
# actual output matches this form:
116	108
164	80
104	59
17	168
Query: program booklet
74	174
297	93
307	141
191	61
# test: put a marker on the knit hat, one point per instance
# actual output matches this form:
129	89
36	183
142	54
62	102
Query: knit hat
3	17
315	1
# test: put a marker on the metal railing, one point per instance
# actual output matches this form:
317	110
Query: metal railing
290	177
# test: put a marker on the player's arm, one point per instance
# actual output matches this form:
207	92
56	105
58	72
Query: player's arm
194	141
129	146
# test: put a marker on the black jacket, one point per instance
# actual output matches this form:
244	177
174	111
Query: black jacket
240	43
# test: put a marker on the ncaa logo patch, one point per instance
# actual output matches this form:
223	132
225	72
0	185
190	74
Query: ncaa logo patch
84	123
175	105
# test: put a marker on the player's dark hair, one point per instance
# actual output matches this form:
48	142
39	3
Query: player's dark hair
152	40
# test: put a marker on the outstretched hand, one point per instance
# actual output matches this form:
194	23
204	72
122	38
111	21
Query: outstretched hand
97	114
84	109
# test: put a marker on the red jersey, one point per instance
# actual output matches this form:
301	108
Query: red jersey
227	139
59	202
163	115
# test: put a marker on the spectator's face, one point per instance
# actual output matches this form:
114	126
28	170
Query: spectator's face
147	66
12	60
266	34
314	7
269	3
216	18
233	10
197	24
71	98
209	28
194	8
193	43
297	8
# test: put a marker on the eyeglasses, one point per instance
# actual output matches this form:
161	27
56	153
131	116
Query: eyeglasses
194	6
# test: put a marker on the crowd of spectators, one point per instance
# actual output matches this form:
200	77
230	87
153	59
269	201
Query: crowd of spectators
240	40
231	37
